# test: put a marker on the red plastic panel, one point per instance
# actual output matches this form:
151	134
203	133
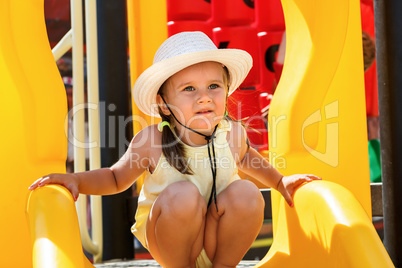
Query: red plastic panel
243	104
265	100
370	84
268	44
57	10
242	38
370	76
269	15
175	27
188	10
57	15
232	12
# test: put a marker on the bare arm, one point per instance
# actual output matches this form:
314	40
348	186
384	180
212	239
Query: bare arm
111	180
253	164
256	166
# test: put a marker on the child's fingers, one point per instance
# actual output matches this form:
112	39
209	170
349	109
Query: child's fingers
48	179
288	198
61	180
313	177
305	178
286	194
73	190
293	183
56	179
299	181
35	184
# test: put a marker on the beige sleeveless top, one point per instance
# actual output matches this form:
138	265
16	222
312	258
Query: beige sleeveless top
164	175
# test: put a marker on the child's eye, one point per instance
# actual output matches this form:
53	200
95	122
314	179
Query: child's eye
213	86
189	88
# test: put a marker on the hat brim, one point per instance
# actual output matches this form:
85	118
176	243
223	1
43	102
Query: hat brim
145	89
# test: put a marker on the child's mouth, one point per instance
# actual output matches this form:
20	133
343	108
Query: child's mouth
205	112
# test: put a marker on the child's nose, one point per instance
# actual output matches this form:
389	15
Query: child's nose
204	97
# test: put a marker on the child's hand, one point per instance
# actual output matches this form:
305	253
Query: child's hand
70	181
288	185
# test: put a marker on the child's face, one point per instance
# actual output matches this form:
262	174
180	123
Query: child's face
197	96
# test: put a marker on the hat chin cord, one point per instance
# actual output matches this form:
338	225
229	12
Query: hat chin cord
212	161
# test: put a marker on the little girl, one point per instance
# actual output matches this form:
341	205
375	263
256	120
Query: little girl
193	209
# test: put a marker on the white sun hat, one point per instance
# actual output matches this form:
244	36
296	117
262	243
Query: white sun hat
179	52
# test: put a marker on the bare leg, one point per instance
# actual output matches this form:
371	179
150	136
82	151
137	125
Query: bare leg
175	227
231	231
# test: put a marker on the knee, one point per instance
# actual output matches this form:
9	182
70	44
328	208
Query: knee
183	201
244	197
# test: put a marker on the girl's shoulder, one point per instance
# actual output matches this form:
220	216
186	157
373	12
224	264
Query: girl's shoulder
149	136
148	143
236	134
237	140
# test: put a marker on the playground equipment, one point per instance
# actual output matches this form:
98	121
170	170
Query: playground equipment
330	225
388	24
32	139
144	40
317	124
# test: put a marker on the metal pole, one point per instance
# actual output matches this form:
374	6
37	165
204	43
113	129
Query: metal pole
93	120
118	241
388	30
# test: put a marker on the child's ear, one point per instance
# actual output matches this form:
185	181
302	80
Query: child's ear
162	105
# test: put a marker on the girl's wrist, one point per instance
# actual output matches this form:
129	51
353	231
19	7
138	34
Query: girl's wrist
76	179
279	182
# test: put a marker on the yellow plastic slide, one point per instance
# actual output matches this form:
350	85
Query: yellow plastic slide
328	227
54	229
33	107
317	125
